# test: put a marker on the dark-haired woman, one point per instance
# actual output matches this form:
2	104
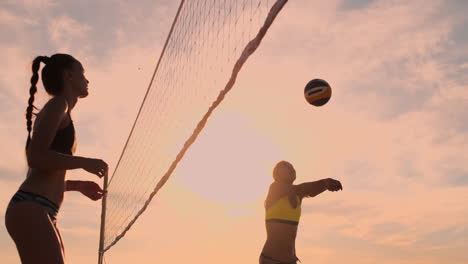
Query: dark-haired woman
283	210
32	212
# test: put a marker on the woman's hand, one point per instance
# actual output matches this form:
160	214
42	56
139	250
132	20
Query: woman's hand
333	185
90	189
96	166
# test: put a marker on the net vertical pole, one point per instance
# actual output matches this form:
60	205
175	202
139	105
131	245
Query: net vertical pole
103	218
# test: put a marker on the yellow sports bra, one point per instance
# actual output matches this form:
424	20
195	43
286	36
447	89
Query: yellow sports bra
282	212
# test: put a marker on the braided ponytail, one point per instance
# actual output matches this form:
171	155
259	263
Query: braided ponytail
52	80
32	92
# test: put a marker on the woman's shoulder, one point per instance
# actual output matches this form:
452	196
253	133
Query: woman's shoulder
278	190
57	103
281	191
281	186
56	106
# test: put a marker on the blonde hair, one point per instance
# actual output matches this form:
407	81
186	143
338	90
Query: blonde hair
279	174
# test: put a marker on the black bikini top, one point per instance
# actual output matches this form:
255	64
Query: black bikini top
64	141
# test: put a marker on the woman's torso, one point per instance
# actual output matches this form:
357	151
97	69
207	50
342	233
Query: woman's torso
281	222
281	240
51	183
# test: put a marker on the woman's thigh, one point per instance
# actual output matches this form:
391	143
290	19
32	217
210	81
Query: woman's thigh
34	233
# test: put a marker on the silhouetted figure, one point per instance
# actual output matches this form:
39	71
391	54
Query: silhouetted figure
283	210
31	217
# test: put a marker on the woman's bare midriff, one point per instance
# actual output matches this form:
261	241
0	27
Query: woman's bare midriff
47	183
280	243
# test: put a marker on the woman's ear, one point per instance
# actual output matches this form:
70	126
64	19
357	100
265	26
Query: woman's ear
67	75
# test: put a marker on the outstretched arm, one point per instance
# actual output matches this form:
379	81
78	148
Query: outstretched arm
88	188
311	189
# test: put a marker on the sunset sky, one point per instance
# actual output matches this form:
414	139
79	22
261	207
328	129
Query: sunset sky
395	131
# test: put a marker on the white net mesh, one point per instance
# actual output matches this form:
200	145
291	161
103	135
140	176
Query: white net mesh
207	46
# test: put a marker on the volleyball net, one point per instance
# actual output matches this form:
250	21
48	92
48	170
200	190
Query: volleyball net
207	45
